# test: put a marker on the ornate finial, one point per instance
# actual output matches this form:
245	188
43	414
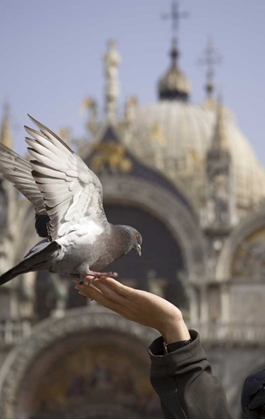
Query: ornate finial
174	85
111	60
5	136
210	59
175	17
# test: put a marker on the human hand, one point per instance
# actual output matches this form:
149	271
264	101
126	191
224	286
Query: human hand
138	306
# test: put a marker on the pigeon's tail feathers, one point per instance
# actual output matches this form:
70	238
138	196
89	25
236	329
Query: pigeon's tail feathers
18	171
35	260
37	248
14	272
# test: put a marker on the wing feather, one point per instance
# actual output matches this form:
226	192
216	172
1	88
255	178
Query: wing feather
18	171
70	190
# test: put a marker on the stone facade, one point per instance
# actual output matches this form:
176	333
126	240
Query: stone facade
203	249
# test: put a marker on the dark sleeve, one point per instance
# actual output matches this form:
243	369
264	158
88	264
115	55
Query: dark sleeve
184	382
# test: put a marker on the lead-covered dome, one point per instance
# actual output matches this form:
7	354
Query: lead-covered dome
174	137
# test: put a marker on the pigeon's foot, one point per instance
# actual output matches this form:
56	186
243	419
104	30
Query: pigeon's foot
97	274
77	279
81	279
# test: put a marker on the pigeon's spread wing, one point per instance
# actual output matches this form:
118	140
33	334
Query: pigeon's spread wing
71	191
18	171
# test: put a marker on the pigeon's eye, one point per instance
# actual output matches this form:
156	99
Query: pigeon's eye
137	236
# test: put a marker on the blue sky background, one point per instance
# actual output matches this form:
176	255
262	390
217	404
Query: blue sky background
51	57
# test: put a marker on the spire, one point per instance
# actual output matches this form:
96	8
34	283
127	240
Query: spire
219	213
111	60
220	141
5	136
174	85
210	58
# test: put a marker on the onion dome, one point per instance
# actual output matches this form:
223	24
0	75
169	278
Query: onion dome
174	85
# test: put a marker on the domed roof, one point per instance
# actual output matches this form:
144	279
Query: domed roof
174	84
174	136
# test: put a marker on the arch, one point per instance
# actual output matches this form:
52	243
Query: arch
46	336
250	224
163	205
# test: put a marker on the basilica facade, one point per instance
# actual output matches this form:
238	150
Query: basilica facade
186	177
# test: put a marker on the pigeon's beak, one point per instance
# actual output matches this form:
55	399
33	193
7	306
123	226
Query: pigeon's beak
139	250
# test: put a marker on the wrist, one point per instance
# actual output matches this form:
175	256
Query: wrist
175	331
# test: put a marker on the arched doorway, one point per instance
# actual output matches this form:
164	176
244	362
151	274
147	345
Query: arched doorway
90	364
159	270
161	262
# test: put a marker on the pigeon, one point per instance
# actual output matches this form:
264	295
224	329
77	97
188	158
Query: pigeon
69	212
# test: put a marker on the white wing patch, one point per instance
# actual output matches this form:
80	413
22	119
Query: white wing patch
71	191
84	228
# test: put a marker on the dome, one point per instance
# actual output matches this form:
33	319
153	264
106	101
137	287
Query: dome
174	84
174	137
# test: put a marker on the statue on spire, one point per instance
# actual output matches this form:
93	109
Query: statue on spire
111	60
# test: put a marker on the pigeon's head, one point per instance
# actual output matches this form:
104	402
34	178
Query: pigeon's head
135	239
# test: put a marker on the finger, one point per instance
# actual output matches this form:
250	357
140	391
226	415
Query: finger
95	294
92	291
86	290
109	292
121	289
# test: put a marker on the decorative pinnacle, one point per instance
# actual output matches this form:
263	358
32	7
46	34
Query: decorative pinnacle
111	61
220	140
210	58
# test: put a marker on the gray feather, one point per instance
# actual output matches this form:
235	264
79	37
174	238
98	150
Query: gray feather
34	260
67	197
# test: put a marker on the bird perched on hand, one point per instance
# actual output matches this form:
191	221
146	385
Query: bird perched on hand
67	197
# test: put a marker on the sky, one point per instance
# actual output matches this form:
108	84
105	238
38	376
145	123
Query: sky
51	57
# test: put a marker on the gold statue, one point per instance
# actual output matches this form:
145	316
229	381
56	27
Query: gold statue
110	155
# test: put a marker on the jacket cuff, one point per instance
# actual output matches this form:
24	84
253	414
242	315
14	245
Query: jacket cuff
178	357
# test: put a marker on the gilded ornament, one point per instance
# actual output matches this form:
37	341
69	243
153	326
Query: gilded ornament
158	135
110	155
